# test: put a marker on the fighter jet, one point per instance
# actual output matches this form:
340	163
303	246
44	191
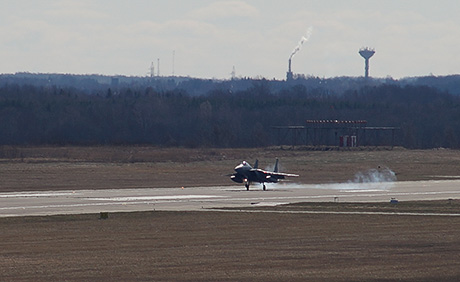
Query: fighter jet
247	174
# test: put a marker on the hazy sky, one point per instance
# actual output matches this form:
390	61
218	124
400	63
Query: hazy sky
209	38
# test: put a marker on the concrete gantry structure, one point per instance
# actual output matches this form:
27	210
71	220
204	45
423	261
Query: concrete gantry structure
336	133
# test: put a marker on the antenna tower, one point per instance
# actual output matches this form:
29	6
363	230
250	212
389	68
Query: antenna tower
152	70
158	67
173	57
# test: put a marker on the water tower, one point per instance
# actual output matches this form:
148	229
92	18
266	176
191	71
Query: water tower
366	53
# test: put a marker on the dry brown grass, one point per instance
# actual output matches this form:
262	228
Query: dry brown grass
213	246
50	168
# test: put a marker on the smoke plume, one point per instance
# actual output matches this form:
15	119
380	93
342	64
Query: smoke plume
375	179
374	176
301	42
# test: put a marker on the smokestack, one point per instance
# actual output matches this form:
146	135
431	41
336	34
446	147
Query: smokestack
289	75
366	53
297	49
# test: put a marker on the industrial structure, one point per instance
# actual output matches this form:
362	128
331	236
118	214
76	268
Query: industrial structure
336	133
297	48
152	70
289	74
366	53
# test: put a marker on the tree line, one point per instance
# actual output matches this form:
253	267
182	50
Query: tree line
50	115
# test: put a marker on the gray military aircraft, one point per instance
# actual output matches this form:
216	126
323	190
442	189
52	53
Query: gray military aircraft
247	174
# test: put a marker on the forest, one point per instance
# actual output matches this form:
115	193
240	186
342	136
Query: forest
427	117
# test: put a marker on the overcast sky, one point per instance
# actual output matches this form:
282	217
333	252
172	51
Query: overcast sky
209	38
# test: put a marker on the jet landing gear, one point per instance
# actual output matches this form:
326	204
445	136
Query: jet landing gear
246	184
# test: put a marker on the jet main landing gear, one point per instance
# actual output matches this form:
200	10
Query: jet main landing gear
246	184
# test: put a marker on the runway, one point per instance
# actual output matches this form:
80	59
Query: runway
203	198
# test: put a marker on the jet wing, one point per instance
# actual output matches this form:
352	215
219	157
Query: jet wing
271	174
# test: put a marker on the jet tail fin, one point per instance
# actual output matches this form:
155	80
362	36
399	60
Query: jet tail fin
256	164
276	166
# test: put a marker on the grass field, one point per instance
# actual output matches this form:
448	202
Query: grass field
223	246
226	246
69	168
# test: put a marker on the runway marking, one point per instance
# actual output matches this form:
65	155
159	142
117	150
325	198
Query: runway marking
339	195
161	200
85	205
64	206
36	195
136	198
